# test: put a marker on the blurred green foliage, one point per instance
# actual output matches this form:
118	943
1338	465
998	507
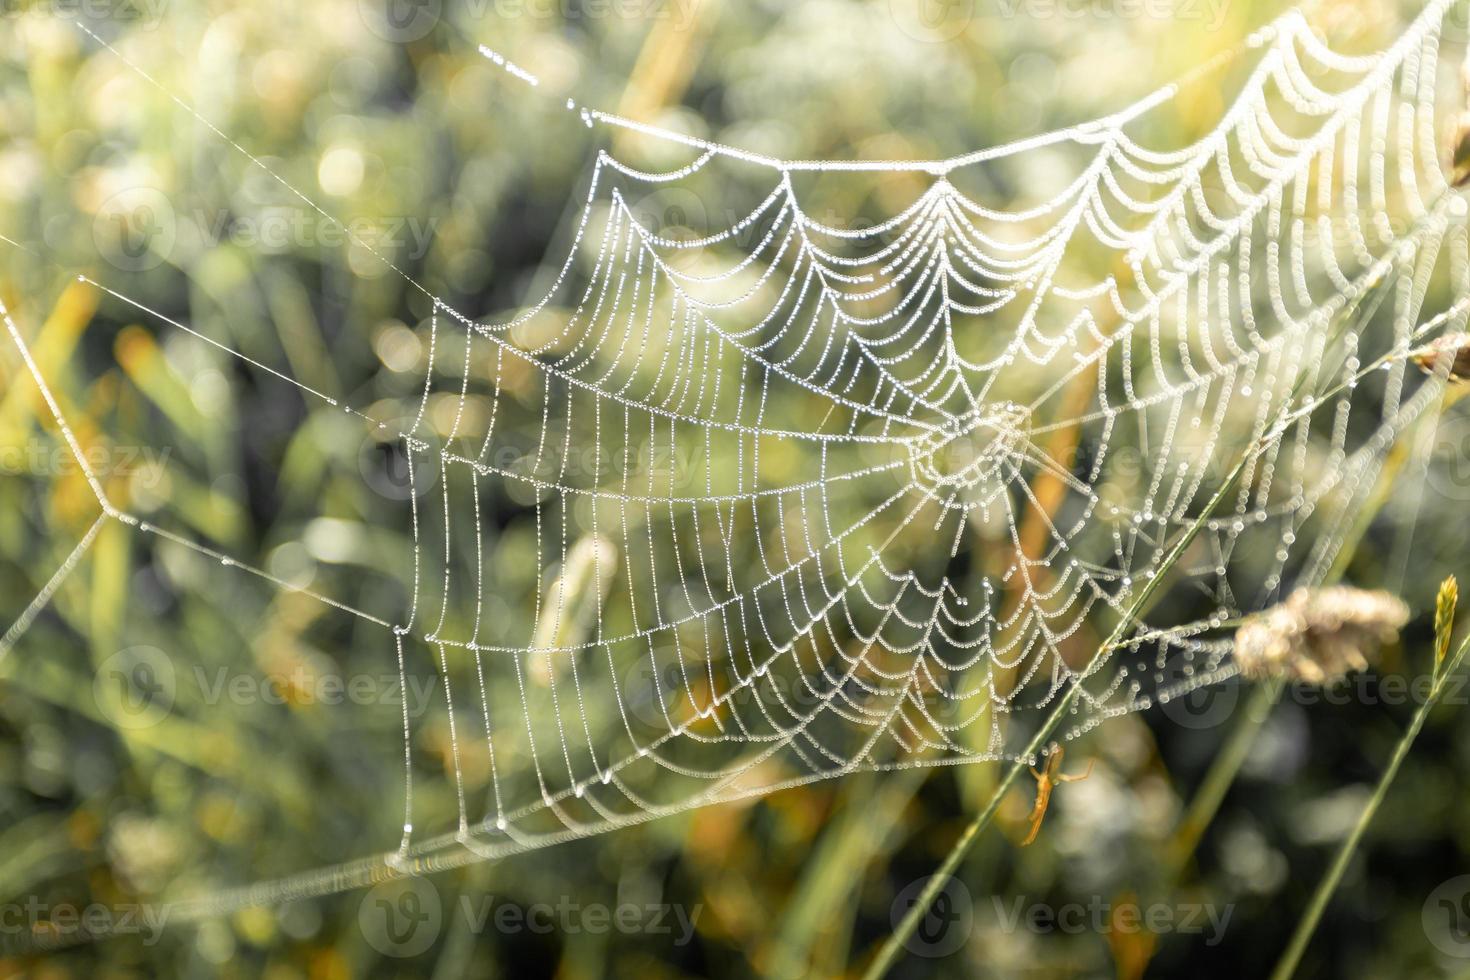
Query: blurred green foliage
406	134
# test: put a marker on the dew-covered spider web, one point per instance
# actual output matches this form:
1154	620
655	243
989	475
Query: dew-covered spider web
810	496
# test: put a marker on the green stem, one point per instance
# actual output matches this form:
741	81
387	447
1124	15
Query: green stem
1286	966
941	876
917	911
910	922
1222	772
1217	781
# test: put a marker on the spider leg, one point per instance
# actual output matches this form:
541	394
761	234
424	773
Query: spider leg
1078	777
1046	781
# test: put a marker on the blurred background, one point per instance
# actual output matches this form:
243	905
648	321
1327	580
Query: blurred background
266	737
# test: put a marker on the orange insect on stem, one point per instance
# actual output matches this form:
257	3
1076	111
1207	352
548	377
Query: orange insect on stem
1047	779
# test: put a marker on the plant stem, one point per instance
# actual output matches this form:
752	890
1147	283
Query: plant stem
1339	319
1222	772
917	911
1219	778
945	871
1308	922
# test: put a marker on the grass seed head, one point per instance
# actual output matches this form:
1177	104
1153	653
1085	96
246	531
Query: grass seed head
1318	635
1444	617
1455	348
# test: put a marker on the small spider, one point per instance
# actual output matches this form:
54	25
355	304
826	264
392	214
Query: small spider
1048	779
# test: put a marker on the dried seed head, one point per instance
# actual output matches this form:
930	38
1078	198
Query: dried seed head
1318	635
1460	151
1454	348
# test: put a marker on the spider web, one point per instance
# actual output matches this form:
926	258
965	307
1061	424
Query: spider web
808	498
